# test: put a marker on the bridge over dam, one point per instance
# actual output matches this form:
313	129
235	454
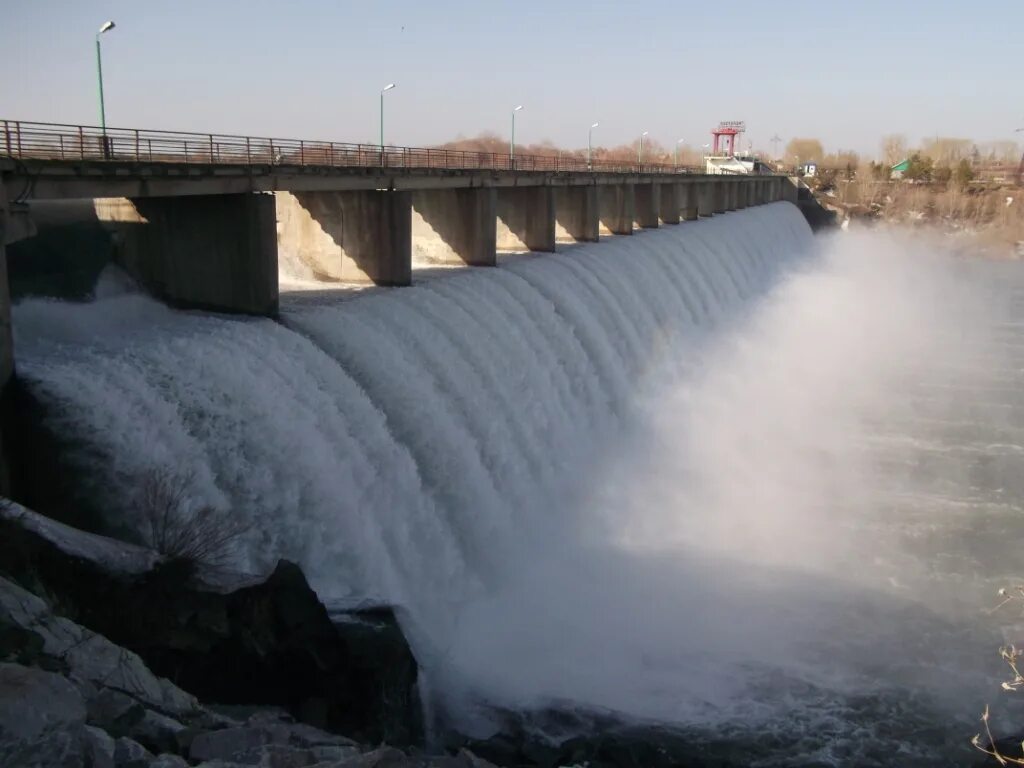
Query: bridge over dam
201	217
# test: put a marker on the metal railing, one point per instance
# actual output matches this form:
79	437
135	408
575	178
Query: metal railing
53	141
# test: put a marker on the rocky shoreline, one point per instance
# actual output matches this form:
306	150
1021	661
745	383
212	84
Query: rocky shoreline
96	634
112	656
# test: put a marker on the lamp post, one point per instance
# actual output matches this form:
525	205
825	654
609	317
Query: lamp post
675	155
512	142
590	146
640	151
384	90
99	74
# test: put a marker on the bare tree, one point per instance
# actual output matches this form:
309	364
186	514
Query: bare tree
894	148
808	150
178	529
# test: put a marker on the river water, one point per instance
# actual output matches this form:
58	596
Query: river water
724	476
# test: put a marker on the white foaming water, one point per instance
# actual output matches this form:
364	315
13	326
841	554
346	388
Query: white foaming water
646	475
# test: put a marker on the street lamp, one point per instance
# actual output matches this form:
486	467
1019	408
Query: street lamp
384	90
99	73
675	154
590	146
512	142
640	150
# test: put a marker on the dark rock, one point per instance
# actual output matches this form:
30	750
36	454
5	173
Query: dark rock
99	748
42	719
266	643
130	754
168	761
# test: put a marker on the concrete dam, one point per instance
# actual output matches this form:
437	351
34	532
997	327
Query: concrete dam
414	446
694	476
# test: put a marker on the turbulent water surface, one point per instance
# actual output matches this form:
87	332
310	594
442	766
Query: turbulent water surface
719	475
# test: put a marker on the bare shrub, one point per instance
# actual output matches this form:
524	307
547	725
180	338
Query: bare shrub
175	528
1012	656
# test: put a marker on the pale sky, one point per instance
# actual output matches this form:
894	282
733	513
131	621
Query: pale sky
845	72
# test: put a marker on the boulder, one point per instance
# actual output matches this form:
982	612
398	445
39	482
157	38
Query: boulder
90	657
130	754
227	639
168	761
99	748
42	719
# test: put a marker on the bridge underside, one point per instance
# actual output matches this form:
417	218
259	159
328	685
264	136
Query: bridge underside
220	252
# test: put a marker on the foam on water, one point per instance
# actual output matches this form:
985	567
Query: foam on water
645	475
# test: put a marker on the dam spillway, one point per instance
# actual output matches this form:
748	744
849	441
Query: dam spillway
466	449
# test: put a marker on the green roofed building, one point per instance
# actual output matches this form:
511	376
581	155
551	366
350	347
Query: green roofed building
897	171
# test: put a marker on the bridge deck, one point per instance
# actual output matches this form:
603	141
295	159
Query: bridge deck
46	160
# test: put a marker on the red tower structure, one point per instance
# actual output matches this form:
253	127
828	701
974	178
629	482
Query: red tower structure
727	137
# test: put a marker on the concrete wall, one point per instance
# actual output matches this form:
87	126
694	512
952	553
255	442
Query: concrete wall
6	347
617	206
526	219
789	191
577	214
647	202
216	252
362	237
688	206
455	226
668	203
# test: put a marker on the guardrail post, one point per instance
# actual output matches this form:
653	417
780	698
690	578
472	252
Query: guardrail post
271	151
17	127
186	153
149	145
61	137
302	152
136	145
248	152
210	137
7	137
330	149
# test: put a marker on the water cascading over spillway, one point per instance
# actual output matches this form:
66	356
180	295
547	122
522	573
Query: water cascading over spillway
569	471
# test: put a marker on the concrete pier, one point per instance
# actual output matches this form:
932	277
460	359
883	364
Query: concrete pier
360	237
647	202
790	190
6	345
526	218
455	226
577	214
216	252
668	207
618	204
720	196
688	207
705	198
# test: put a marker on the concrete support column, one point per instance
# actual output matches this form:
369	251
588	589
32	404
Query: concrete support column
742	189
789	189
688	205
577	214
216	252
618	204
6	346
648	203
455	226
669	205
355	236
720	194
706	198
526	218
